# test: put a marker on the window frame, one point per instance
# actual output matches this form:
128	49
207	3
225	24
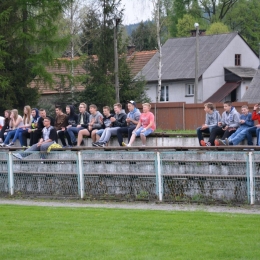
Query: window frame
237	60
165	95
187	89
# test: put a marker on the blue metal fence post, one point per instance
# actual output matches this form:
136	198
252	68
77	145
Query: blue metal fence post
10	173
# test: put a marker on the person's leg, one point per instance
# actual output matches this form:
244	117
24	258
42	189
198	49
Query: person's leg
72	131
199	133
43	148
10	134
134	135
214	132
36	136
144	134
61	135
120	132
249	133
23	138
109	132
81	133
27	152
239	137
68	137
257	136
93	135
228	133
237	132
130	131
99	134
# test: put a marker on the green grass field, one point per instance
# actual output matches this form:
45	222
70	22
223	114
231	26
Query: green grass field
87	233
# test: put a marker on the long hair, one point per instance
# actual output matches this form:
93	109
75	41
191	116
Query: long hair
15	113
27	115
7	119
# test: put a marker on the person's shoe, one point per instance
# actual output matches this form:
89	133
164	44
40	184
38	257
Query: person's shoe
101	144
18	156
203	143
222	142
129	145
1	140
11	144
95	144
74	144
2	145
227	141
124	144
216	142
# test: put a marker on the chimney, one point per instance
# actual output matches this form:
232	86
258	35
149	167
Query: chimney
130	50
201	32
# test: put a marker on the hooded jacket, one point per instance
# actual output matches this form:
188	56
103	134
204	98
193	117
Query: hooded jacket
134	115
97	120
256	116
212	119
248	120
72	117
120	120
35	119
230	119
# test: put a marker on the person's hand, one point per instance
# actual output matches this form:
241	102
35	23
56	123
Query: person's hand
258	125
203	127
242	121
128	120
143	130
68	126
39	144
90	127
29	130
78	126
63	129
225	128
256	106
219	124
112	119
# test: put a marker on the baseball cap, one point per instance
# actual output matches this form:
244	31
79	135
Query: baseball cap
131	102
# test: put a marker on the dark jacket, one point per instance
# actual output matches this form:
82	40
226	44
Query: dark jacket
61	121
85	119
120	120
72	117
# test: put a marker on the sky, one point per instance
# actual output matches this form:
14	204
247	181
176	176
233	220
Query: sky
137	10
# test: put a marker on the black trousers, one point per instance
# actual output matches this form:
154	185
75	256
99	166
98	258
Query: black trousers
124	130
219	131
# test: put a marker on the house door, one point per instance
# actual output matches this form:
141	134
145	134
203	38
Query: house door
233	95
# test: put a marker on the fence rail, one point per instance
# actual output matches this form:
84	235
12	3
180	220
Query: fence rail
170	176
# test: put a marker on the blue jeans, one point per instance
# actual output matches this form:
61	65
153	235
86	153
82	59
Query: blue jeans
257	136
146	133
238	136
9	136
19	134
71	131
249	132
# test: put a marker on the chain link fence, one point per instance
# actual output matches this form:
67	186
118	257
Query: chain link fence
172	176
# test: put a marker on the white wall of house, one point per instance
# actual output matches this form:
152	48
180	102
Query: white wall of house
213	78
243	88
177	91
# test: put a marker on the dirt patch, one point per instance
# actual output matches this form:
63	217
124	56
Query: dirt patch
245	209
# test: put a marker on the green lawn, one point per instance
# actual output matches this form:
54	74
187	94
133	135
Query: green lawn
87	233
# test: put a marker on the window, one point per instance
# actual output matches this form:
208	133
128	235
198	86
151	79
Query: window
164	93
189	90
237	59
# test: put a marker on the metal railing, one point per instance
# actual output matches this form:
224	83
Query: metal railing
171	176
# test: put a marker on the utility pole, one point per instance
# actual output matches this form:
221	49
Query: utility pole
196	25
259	56
117	21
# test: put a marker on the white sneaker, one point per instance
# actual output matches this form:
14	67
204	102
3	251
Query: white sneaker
18	156
129	145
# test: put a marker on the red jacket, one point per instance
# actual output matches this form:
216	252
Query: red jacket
256	116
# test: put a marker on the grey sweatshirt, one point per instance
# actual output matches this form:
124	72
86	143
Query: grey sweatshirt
97	119
213	119
231	119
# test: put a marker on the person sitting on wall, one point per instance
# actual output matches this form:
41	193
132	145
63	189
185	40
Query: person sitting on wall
119	120
132	120
145	126
36	132
83	120
95	122
97	133
246	122
72	121
212	119
49	137
255	129
228	125
5	127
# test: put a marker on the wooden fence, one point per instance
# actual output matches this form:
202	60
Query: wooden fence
182	116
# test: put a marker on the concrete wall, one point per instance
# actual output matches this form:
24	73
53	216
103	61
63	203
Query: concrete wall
192	176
